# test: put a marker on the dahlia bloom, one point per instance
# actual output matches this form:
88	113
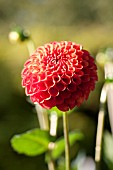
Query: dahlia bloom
60	74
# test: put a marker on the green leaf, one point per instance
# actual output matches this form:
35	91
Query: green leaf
59	112
31	143
60	145
108	149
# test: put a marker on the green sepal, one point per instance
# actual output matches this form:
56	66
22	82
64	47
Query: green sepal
58	112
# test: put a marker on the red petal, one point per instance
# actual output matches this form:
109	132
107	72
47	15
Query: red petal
77	46
35	79
53	91
69	101
85	78
27	63
44	95
61	86
56	78
76	79
72	105
79	72
28	90
59	99
66	79
42	76
42	85
85	63
63	107
24	72
65	94
40	96
72	87
36	97
79	101
76	95
72	50
49	83
49	103
86	70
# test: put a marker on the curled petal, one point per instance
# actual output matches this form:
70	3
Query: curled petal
53	91
35	79
49	83
65	94
85	78
44	94
28	90
72	87
61	85
42	86
36	98
59	99
85	63
26	80
79	73
49	103
42	76
56	78
66	79
76	79
63	107
24	72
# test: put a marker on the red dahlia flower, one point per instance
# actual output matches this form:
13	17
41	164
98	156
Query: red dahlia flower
59	74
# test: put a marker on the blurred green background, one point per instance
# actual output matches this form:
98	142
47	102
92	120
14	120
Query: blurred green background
89	23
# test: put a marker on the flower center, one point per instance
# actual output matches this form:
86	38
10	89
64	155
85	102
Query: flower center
58	57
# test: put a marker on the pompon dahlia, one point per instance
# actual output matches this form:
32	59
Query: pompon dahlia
59	74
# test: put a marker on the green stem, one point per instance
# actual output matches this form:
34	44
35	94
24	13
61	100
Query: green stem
50	162
100	127
51	165
66	137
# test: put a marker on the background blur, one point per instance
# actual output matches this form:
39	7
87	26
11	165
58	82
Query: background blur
88	22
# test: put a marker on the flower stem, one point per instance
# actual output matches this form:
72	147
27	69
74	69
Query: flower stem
50	160
42	117
66	138
51	165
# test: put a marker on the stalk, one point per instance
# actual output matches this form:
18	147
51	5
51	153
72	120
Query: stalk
66	138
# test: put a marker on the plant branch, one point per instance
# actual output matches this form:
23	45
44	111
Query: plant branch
100	126
51	165
66	138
